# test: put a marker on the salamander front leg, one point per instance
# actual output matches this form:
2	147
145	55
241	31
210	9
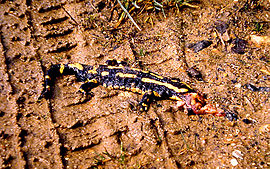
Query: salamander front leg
84	90
146	100
86	87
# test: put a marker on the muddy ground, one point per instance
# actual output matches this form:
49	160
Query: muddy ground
108	131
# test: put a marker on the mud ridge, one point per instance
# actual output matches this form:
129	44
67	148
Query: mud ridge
48	8
54	21
58	33
63	47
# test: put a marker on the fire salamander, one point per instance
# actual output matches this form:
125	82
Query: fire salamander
116	75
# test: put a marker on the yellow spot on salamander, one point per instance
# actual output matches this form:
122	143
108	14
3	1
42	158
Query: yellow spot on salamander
183	90
134	90
110	87
175	98
156	75
47	87
62	67
115	67
139	70
105	73
93	80
47	77
116	87
92	71
76	65
143	104
168	85
186	85
81	90
119	74
134	69
156	94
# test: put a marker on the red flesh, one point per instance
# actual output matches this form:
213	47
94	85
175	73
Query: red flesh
197	103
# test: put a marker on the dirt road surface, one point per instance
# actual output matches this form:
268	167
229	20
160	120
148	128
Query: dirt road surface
108	131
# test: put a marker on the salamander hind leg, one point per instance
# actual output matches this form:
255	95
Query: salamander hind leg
85	89
146	100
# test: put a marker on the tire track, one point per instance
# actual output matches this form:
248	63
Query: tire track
11	153
54	35
53	29
38	143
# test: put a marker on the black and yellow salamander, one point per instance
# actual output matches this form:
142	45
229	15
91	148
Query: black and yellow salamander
116	75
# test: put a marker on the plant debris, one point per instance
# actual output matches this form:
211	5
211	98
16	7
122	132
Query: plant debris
196	47
255	89
193	72
138	6
231	116
247	121
221	27
239	45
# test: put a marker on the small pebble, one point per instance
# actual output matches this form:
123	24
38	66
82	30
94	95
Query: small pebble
204	141
264	128
230	123
196	47
234	162
247	121
260	40
264	70
237	154
238	85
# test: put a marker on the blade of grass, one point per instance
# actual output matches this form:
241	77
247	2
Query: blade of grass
122	156
184	140
132	20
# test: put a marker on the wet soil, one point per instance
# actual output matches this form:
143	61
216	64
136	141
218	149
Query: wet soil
108	131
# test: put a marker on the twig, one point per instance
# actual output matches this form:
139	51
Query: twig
189	5
70	16
93	6
249	103
222	41
128	15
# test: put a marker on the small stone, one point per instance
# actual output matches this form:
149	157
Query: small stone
264	128
259	40
234	162
247	121
196	47
265	70
237	154
238	85
204	141
239	46
230	123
